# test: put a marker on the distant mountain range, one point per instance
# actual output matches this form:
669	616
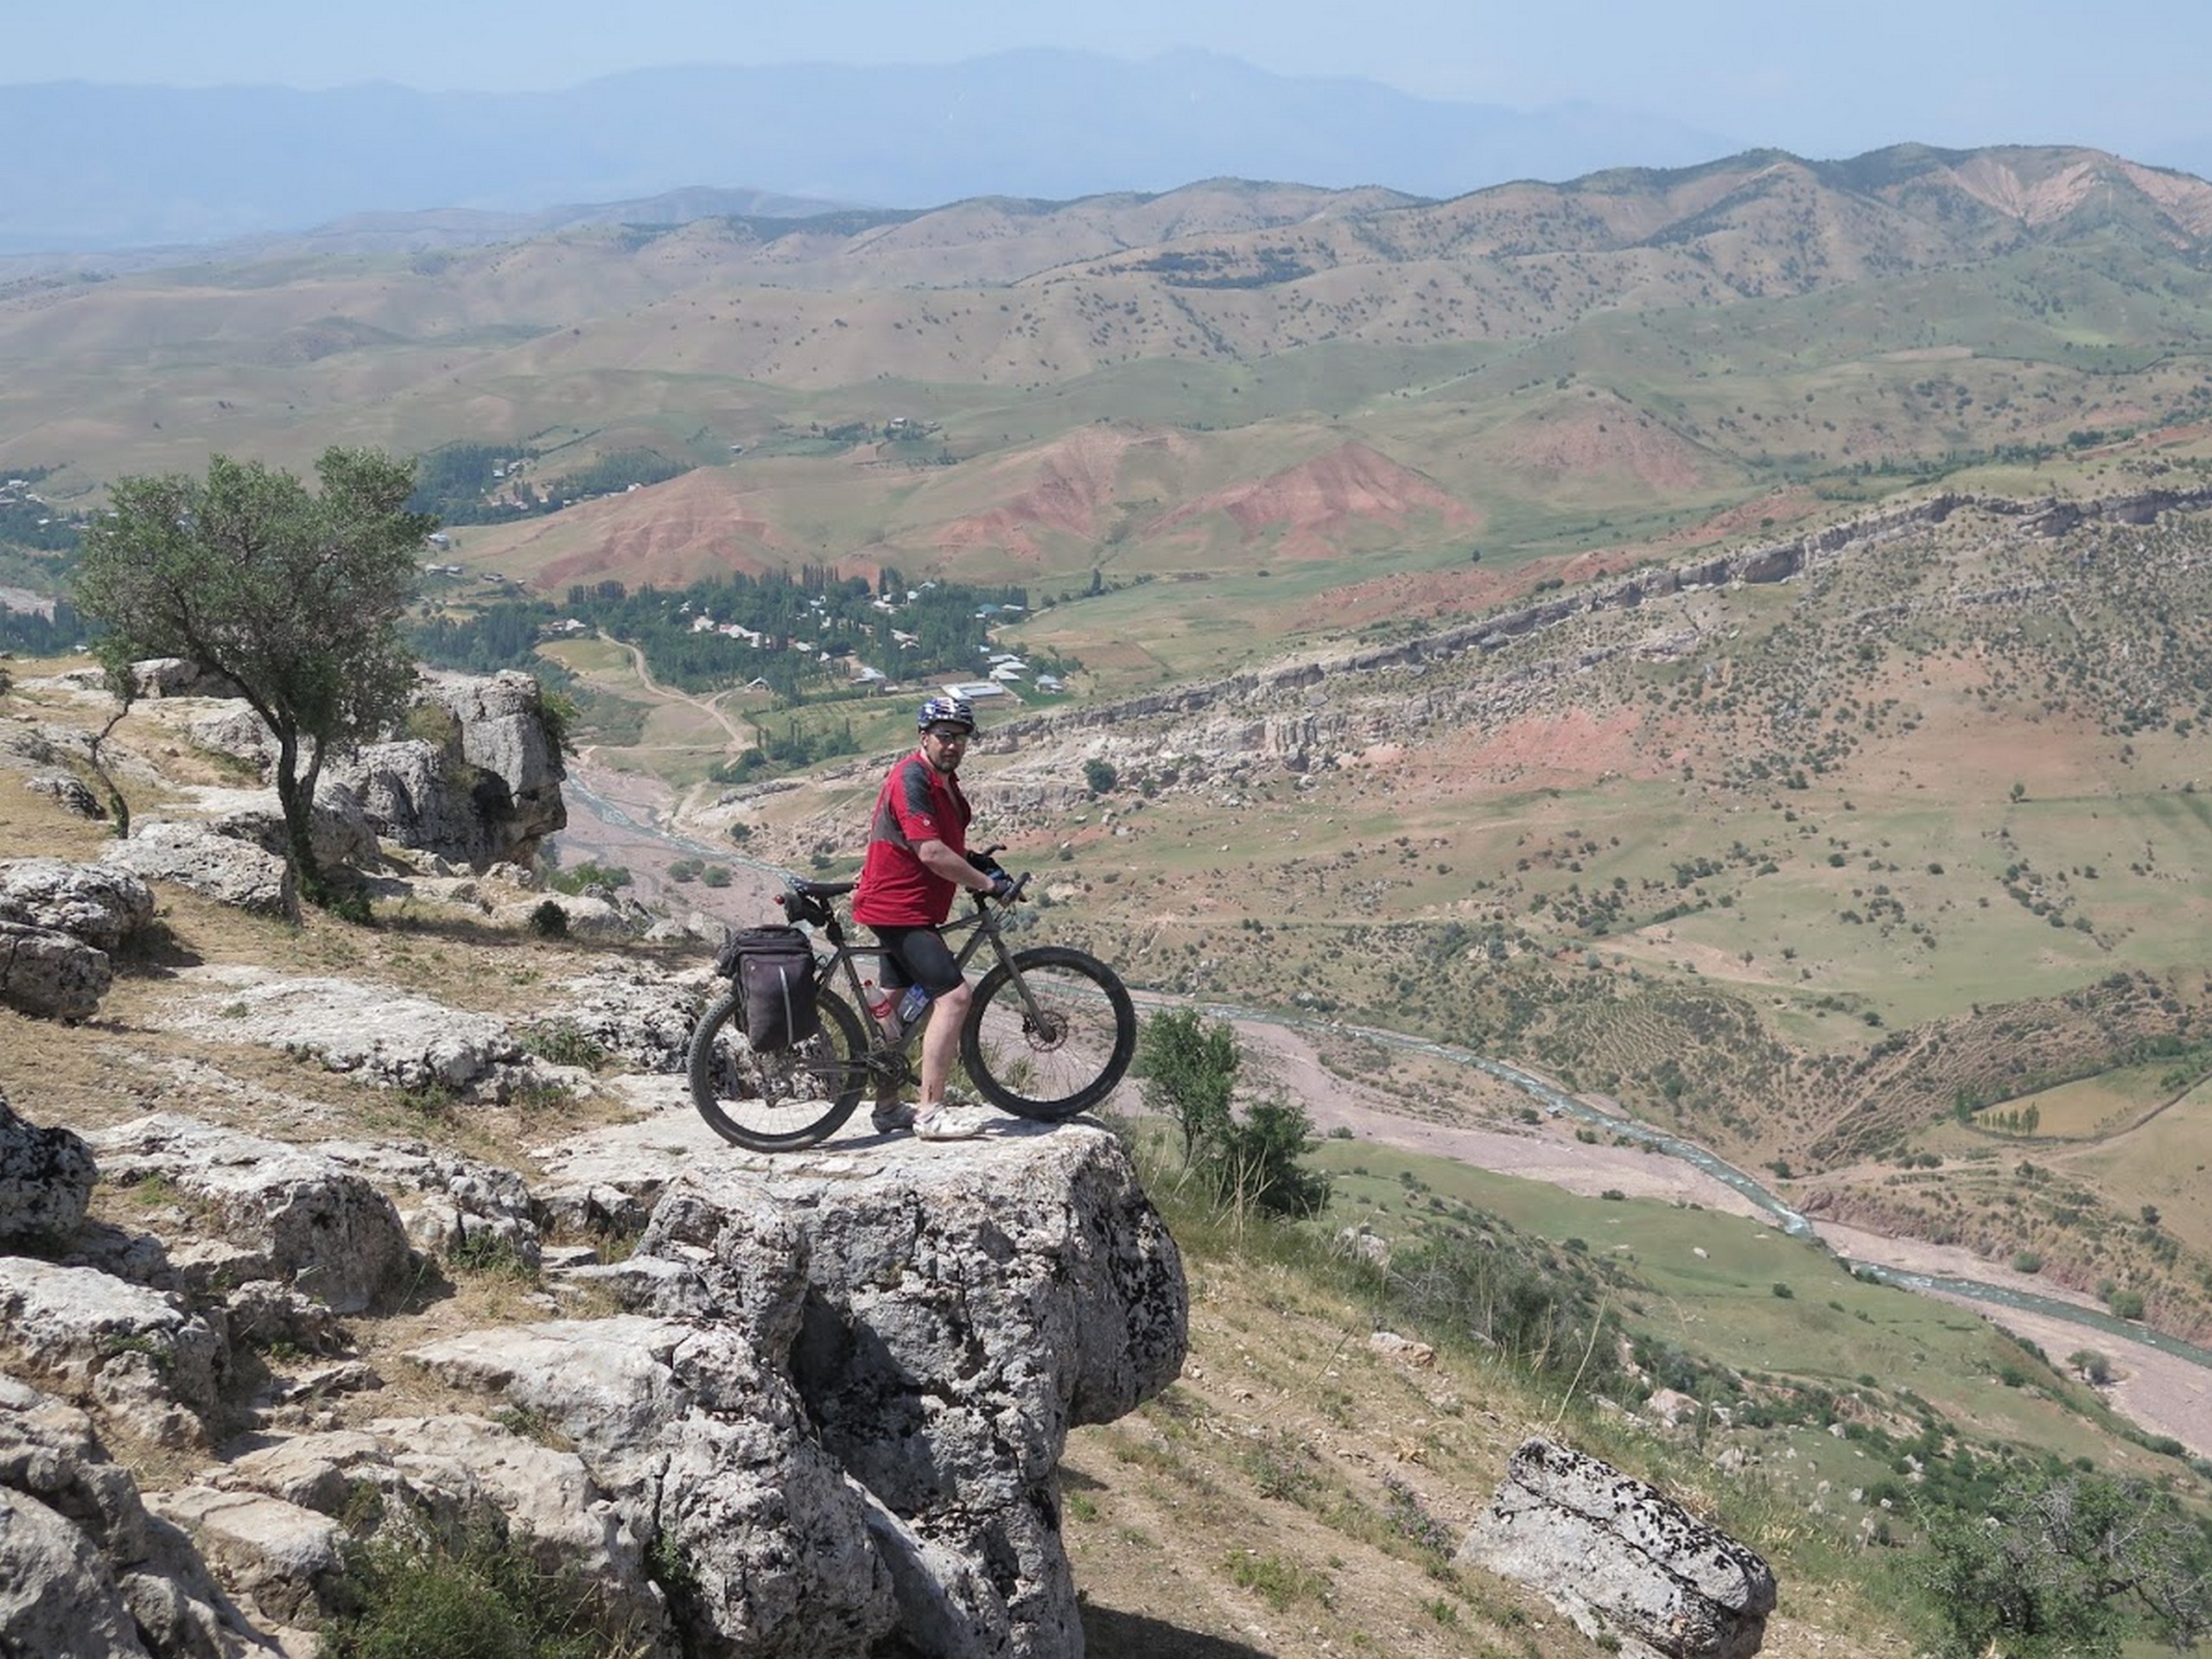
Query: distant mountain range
121	167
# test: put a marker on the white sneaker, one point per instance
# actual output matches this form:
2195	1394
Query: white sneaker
943	1122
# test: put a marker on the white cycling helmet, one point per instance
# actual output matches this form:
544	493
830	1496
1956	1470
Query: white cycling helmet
945	711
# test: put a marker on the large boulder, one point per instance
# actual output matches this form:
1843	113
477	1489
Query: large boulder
277	1518
219	866
145	1362
293	1215
46	1181
372	1032
85	1570
97	904
911	1330
339	831
50	974
1627	1564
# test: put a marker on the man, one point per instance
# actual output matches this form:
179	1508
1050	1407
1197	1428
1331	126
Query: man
917	859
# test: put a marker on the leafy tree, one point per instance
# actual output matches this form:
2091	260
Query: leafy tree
1099	777
1187	1068
2068	1565
1253	1161
292	596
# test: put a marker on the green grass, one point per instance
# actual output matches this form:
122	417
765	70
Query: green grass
1709	1285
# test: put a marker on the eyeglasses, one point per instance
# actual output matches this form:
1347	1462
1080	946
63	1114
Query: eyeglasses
949	733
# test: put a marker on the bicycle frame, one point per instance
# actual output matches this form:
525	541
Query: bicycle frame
887	1055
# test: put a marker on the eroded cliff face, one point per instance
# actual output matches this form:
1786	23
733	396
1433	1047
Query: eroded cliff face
818	1410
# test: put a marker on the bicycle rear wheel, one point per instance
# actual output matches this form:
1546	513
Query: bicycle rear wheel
783	1100
1052	1038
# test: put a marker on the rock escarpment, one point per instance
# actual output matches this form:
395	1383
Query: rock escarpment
831	1388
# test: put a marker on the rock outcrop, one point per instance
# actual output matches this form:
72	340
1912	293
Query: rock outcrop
226	869
101	906
834	1386
58	923
1627	1564
483	788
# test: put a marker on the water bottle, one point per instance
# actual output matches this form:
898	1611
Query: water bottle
911	1004
879	1001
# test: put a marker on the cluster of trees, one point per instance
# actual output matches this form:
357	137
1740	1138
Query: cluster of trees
946	627
2066	1563
1188	1068
36	635
480	483
453	483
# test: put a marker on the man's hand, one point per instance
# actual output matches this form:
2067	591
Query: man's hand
1003	887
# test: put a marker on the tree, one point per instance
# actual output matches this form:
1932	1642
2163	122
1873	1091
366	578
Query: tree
2068	1565
293	596
1186	1067
1252	1162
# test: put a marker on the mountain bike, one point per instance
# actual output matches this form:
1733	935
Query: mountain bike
1050	1032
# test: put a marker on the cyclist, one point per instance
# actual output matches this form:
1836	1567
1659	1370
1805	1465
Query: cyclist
917	859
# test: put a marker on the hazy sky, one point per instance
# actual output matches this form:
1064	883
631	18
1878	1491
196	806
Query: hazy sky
1820	78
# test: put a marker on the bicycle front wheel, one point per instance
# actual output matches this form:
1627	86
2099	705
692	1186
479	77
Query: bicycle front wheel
782	1101
1051	1037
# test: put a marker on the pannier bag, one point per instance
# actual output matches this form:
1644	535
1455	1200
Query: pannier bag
773	971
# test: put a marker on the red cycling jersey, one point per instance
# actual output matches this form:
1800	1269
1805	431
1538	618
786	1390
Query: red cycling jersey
916	803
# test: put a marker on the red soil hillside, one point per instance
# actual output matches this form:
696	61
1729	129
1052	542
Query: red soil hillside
1072	489
669	535
1312	504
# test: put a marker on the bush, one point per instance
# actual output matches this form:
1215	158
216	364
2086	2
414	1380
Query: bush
480	1597
591	874
549	920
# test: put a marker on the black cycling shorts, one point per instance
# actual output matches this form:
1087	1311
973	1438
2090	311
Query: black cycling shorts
916	956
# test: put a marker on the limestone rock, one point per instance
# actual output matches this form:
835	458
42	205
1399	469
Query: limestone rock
1620	1559
690	1431
441	1476
70	792
942	1319
219	866
505	732
640	1015
306	1220
338	826
373	1032
46	1181
86	1572
285	1559
97	904
49	973
234	729
449	1204
485	791
145	1363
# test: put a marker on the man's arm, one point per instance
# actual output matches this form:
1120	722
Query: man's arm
940	860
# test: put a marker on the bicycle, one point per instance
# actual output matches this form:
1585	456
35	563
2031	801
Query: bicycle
1050	1032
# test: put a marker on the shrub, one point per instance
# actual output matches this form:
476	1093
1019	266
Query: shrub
478	1597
